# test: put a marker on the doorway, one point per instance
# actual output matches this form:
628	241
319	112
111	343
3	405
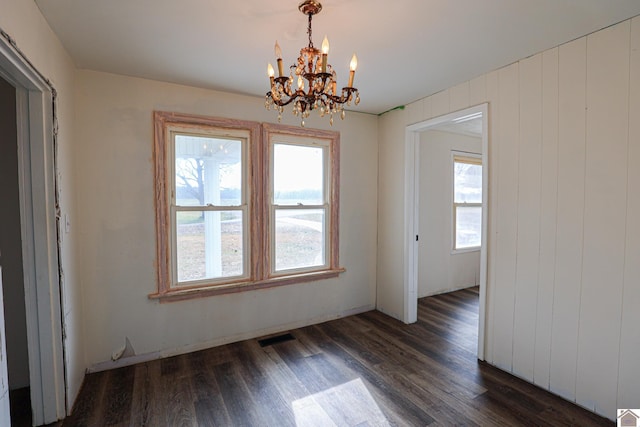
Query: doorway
11	259
413	207
37	228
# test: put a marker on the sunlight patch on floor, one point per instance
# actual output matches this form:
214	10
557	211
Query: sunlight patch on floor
346	404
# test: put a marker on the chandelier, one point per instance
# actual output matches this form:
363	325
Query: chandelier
316	84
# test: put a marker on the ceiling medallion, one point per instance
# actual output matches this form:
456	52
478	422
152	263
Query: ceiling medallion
316	85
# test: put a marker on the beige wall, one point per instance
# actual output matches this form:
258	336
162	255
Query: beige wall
23	21
440	270
564	139
117	237
390	266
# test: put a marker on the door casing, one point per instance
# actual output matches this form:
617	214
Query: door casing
39	232
411	214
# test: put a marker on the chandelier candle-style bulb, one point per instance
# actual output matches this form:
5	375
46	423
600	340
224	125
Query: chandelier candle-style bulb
352	67
270	73
279	57
325	52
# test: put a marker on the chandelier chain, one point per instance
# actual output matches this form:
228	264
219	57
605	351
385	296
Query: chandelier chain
309	31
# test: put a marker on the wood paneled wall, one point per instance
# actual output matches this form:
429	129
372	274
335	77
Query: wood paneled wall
563	296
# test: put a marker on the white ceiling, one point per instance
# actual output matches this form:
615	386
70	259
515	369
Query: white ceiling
469	128
407	49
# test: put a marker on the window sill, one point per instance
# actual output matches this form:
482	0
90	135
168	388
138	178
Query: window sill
465	250
181	294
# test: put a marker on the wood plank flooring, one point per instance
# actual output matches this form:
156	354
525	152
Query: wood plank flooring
364	370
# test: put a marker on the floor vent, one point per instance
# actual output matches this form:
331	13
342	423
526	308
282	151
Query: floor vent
275	340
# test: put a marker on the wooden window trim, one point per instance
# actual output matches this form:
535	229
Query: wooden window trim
272	130
162	122
259	251
471	158
186	293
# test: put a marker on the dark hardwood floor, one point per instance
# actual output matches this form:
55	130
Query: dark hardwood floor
364	370
20	408
20	404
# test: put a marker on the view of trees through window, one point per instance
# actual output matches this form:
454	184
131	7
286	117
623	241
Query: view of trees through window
211	210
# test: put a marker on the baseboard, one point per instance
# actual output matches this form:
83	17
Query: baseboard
146	357
446	291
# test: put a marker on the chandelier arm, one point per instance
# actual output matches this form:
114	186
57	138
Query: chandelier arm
311	98
343	98
294	96
281	103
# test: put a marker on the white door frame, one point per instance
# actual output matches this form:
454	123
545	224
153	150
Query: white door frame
5	407
37	187
411	214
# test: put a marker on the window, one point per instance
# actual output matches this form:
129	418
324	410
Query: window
467	201
298	203
209	205
241	206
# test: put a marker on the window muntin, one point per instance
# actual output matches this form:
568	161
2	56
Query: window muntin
208	206
299	204
467	202
253	238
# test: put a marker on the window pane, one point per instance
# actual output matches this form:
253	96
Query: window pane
299	238
468	226
208	171
209	244
467	179
298	175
